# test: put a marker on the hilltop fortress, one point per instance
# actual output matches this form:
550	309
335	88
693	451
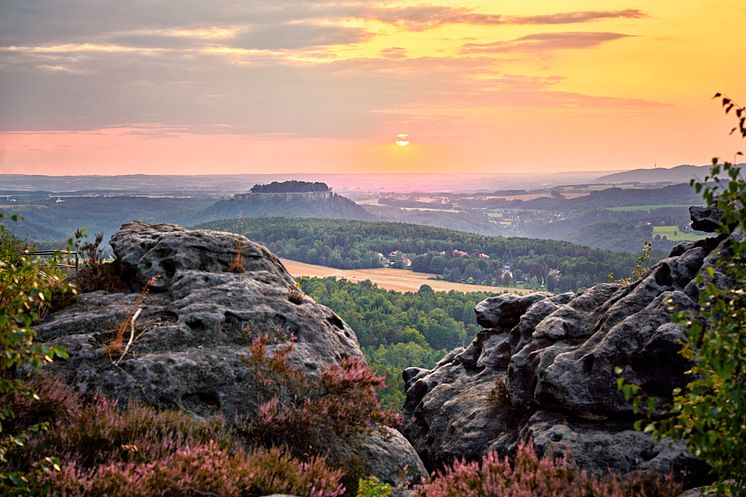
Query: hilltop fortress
288	199
287	190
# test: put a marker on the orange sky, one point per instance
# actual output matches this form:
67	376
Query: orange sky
96	87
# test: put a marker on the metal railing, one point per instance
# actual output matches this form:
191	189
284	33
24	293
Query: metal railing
71	256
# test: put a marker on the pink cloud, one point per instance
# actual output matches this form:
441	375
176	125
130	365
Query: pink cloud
542	42
423	17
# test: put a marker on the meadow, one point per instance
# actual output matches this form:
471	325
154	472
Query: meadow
399	280
675	233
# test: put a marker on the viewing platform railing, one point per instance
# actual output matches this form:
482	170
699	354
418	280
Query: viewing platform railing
72	260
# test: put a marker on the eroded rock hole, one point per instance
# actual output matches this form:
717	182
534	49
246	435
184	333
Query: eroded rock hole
588	364
169	267
201	403
335	321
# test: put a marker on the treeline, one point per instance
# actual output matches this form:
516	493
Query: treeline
293	186
399	330
556	273
680	194
356	244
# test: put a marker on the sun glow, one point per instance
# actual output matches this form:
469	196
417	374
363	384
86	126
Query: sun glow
330	85
402	139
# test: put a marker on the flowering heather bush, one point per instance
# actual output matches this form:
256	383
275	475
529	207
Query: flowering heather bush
99	431
53	401
531	476
302	411
202	470
139	451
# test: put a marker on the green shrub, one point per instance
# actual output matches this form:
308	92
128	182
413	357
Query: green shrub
27	290
373	487
709	413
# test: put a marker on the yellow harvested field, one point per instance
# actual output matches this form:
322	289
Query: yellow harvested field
400	280
572	195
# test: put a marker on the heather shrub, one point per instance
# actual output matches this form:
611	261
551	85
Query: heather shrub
305	412
531	476
53	401
205	469
104	449
100	431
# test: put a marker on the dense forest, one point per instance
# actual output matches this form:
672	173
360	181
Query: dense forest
293	186
399	330
453	255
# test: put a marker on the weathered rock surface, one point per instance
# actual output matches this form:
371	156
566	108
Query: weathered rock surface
705	218
195	327
545	369
504	311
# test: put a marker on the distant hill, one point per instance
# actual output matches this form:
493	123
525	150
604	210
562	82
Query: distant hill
454	255
678	174
35	232
680	194
47	217
293	199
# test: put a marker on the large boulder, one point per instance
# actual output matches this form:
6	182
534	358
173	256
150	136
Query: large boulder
544	368
504	311
214	293
705	218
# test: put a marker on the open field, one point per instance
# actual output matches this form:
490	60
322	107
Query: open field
400	280
428	209
634	208
675	234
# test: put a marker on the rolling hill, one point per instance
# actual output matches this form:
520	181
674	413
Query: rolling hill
678	174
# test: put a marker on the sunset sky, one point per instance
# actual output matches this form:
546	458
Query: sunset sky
249	86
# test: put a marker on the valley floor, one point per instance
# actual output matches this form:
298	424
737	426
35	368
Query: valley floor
400	280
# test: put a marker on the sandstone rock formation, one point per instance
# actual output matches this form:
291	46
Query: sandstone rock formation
544	369
194	329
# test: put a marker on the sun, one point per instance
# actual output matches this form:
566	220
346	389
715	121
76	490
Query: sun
402	139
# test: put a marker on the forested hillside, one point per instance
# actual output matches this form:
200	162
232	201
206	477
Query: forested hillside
399	330
51	218
454	255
